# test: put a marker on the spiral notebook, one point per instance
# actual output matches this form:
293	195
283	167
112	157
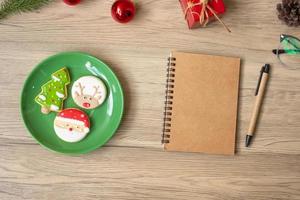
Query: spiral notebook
201	103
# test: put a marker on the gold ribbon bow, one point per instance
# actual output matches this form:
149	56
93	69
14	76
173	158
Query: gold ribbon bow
203	15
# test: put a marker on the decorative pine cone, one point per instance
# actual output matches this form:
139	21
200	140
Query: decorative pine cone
289	12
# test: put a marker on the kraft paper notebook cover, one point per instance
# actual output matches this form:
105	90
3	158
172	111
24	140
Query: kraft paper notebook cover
201	103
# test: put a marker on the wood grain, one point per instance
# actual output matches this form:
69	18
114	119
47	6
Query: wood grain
133	165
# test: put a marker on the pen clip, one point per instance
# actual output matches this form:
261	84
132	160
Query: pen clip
259	80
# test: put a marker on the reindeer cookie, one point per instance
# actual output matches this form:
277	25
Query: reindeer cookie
88	92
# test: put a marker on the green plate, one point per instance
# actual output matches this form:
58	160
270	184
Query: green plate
104	119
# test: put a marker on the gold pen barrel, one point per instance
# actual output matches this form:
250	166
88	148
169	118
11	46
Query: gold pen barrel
258	102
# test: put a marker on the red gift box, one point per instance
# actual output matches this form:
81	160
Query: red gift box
200	12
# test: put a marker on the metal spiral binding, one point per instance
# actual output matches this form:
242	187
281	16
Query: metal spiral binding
168	100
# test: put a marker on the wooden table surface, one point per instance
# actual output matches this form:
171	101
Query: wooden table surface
133	164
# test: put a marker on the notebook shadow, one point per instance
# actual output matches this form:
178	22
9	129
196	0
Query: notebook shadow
238	132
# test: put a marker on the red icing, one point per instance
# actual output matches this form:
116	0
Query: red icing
86	105
76	114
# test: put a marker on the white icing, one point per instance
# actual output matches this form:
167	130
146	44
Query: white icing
60	95
86	130
55	78
54	107
42	97
69	136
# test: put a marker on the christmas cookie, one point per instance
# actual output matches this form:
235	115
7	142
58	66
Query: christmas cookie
88	92
71	125
54	92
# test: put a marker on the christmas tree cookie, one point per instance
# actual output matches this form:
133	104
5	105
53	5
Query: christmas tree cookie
54	92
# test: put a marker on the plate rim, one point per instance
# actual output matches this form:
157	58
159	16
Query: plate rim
87	150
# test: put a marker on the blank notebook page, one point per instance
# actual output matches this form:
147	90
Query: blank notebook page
204	104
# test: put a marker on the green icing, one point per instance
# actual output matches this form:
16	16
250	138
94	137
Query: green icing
54	91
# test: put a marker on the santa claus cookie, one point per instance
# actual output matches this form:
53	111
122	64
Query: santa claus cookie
71	125
88	92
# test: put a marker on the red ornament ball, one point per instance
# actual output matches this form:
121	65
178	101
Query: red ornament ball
72	2
123	10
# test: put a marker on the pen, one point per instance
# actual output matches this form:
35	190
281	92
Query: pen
259	93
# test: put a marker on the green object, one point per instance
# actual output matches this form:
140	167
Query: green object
54	92
9	7
288	51
291	45
104	120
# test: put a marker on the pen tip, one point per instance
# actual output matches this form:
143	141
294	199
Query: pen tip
267	68
248	140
